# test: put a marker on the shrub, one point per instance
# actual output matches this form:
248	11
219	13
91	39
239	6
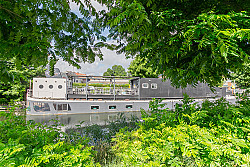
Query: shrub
31	144
214	134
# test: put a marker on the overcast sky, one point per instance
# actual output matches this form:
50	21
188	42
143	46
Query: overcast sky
110	58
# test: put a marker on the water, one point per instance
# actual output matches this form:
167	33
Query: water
86	119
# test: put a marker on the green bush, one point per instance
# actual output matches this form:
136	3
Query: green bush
31	144
214	134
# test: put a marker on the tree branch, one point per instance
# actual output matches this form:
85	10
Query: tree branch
11	12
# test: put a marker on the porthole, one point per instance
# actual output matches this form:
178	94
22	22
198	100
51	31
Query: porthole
94	107
112	107
145	85
40	86
59	86
129	106
51	86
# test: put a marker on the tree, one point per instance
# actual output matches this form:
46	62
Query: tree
116	70
242	77
188	41
140	67
15	88
31	31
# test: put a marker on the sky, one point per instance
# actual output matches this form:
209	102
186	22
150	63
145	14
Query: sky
110	58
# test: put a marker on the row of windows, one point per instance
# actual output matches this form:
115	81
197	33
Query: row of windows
50	86
153	85
43	107
111	107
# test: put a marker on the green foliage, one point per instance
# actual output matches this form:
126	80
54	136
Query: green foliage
101	136
186	41
214	134
14	88
116	70
242	77
28	144
32	30
141	67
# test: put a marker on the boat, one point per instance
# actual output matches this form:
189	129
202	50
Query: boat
107	94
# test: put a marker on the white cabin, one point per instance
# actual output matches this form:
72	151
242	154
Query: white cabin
54	88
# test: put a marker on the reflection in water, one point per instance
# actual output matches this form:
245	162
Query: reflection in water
86	119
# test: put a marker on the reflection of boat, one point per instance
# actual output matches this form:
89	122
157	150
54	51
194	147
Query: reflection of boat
56	96
70	120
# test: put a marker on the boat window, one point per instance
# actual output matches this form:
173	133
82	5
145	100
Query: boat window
59	86
145	85
129	106
112	107
41	107
65	107
62	107
59	107
54	106
94	107
153	86
40	86
51	86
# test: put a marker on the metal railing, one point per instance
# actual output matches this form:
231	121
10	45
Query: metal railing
104	91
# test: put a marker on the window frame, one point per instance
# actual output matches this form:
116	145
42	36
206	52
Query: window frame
127	106
112	106
154	84
145	87
56	107
98	107
41	86
41	106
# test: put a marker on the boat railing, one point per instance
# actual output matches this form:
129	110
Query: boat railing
103	91
29	93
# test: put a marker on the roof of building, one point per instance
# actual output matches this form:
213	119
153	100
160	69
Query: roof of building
80	74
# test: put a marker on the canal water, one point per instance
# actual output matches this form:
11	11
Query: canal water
86	119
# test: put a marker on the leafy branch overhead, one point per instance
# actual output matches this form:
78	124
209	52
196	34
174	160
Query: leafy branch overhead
33	30
186	41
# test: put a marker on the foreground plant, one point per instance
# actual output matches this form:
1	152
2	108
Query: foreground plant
214	134
28	144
